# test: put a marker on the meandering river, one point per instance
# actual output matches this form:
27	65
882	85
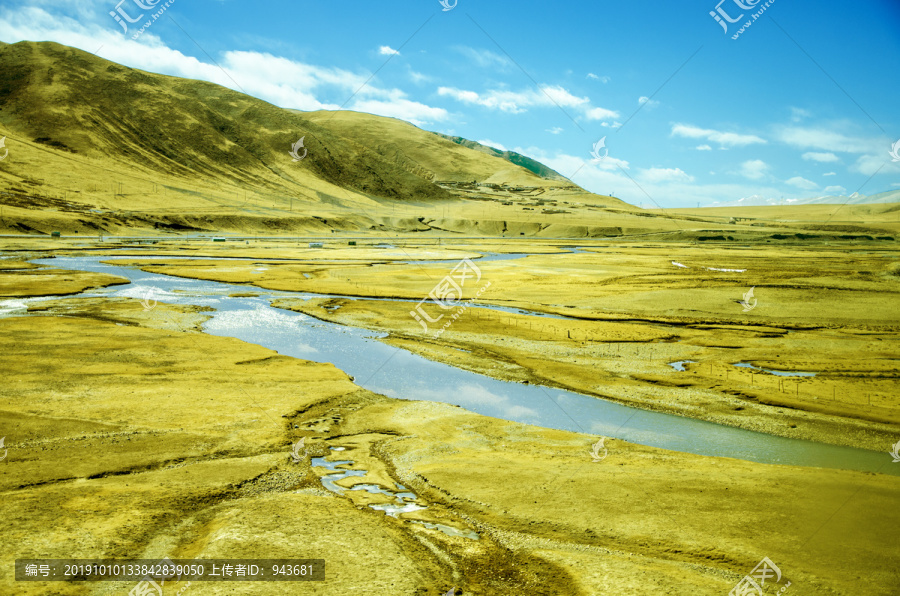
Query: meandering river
400	374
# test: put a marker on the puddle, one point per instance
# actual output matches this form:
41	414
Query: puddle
679	366
780	373
329	480
404	499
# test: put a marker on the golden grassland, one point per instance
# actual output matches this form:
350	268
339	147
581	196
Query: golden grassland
630	313
150	442
131	434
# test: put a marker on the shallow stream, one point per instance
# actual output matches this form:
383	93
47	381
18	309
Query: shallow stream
400	374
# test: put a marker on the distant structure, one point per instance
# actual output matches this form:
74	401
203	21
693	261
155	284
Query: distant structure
315	245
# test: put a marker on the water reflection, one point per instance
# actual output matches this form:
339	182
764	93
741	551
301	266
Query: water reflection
400	374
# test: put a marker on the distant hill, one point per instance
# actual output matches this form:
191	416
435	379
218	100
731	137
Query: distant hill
890	196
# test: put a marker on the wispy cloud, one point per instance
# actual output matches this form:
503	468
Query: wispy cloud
798	114
591	75
387	51
517	102
823	138
665	175
754	169
601	114
418	77
484	58
725	139
802	183
820	157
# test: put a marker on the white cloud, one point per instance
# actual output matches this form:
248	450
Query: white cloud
665	175
387	51
404	109
704	148
729	139
802	183
835	189
493	144
604	79
650	103
830	174
562	97
869	164
516	102
820	157
601	114
284	82
555	130
754	169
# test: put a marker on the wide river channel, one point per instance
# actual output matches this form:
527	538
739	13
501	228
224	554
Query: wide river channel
400	374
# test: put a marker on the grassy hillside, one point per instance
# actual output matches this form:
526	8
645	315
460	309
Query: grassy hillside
74	102
93	143
511	156
433	156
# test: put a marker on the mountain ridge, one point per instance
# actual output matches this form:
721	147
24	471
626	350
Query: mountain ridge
173	131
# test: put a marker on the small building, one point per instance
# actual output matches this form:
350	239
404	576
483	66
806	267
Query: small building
351	243
315	245
54	234
218	239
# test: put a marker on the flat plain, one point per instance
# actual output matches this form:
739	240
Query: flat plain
134	434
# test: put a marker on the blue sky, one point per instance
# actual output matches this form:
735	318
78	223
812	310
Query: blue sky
804	102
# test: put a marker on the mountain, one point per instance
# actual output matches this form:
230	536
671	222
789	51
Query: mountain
89	136
890	196
92	109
